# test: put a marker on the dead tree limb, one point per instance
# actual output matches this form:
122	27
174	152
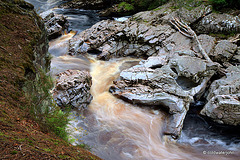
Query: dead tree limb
188	32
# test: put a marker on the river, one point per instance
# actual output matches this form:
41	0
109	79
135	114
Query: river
116	130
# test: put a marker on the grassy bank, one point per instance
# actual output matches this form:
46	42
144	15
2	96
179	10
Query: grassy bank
30	123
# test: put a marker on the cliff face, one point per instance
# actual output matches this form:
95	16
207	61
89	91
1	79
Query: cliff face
23	48
23	53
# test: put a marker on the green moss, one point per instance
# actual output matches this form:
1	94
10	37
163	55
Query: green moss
64	156
222	35
47	149
125	6
43	108
157	9
14	152
84	146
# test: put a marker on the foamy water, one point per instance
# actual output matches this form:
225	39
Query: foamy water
129	132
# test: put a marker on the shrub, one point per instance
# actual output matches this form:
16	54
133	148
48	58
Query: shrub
42	107
126	6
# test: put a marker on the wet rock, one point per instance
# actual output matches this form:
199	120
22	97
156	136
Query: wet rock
223	51
110	39
157	82
224	99
73	89
55	24
173	73
145	34
218	23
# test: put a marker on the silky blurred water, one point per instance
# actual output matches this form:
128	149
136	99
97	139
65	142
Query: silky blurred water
116	130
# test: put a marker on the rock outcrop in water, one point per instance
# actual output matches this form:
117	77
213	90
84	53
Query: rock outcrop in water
170	83
73	89
55	24
174	75
146	34
224	98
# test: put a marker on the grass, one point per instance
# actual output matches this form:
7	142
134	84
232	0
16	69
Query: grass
84	146
29	119
43	108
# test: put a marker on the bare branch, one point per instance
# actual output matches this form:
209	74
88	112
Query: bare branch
188	32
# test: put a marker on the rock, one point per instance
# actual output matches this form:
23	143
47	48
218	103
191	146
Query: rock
55	24
223	51
168	83
236	57
145	34
224	98
207	42
73	89
173	73
110	39
218	23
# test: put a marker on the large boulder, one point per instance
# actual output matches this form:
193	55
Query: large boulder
55	24
218	23
223	51
224	99
73	89
168	83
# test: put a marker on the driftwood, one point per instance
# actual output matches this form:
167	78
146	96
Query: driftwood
235	39
188	32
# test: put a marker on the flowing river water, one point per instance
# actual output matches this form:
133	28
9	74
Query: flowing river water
117	130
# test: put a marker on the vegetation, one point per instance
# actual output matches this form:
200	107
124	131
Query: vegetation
219	4
29	120
148	4
140	5
42	107
125	6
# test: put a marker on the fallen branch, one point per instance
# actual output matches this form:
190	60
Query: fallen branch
188	32
235	39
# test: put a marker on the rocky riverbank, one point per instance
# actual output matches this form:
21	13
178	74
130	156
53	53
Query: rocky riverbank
23	54
175	71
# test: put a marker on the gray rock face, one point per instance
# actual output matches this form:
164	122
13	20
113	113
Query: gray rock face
168	83
236	57
145	34
55	24
224	99
208	43
224	51
218	23
120	39
73	89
